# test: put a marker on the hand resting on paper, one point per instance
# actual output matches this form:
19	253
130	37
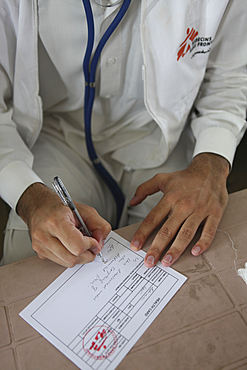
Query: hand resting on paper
54	231
192	197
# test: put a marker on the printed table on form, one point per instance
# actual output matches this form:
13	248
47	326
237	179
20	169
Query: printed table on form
123	298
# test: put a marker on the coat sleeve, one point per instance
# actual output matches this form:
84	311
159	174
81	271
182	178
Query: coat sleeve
219	121
16	159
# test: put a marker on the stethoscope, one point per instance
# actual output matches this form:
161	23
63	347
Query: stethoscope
89	69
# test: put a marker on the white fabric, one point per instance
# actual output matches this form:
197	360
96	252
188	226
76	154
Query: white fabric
170	84
121	125
52	156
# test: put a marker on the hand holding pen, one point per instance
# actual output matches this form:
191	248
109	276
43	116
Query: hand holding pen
54	229
65	197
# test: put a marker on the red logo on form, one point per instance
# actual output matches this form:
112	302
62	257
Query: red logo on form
186	44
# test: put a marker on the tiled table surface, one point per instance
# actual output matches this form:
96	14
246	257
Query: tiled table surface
203	327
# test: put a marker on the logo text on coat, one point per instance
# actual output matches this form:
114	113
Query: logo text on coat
194	44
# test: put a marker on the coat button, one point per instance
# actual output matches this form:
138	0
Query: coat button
111	61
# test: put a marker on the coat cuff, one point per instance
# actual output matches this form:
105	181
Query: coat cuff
217	140
14	180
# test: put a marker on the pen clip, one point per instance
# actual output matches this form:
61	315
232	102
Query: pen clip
59	189
62	192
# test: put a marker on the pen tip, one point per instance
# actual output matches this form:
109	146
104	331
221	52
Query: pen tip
101	257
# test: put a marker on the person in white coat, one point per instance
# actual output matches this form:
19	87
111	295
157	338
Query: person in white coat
169	112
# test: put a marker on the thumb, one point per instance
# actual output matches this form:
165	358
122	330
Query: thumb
149	187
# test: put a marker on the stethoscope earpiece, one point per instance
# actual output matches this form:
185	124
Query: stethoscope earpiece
107	3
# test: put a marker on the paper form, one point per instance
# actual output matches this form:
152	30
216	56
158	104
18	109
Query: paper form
95	313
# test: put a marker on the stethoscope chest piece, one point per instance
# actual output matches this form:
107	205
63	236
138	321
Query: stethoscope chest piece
107	3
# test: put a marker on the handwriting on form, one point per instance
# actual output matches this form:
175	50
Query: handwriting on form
103	308
111	271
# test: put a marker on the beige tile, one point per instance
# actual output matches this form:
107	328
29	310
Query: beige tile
31	277
234	241
236	211
2	279
209	347
191	266
4	328
235	284
243	367
7	361
240	365
196	301
244	312
41	355
20	329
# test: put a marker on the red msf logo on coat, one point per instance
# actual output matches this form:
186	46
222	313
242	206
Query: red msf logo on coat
194	45
187	43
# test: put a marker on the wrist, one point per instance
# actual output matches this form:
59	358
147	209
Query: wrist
206	163
32	198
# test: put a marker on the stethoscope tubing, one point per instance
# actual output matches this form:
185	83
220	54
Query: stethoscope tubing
89	73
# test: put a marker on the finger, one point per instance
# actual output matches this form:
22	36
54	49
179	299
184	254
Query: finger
167	233
149	224
99	227
62	226
101	233
73	240
72	261
149	187
60	255
182	240
208	233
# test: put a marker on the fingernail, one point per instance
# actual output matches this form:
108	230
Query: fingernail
150	260
135	245
167	258
95	250
102	243
196	250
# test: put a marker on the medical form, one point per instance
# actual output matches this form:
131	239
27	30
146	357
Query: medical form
95	313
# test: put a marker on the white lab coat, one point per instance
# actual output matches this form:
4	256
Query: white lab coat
209	68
